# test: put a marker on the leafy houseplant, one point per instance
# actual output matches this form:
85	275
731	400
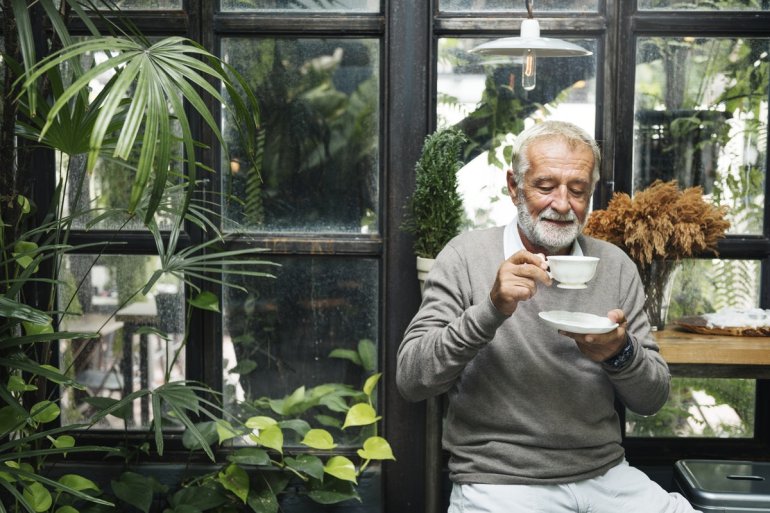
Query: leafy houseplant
657	228
138	123
435	209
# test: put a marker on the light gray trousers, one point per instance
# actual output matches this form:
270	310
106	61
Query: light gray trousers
623	489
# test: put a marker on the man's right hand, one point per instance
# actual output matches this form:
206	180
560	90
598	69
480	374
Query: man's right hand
517	280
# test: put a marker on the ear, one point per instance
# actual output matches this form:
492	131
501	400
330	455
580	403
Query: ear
512	188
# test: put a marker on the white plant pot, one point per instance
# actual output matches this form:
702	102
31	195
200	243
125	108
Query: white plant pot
423	268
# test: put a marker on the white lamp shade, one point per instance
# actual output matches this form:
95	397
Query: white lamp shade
542	46
530	40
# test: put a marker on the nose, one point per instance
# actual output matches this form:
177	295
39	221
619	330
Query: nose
560	200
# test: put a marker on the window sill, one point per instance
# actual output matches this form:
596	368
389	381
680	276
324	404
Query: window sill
696	355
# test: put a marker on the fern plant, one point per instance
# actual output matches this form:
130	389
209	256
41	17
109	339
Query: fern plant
435	209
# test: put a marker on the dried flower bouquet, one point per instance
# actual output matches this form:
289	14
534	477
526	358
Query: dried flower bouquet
657	227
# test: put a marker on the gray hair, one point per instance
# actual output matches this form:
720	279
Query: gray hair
568	132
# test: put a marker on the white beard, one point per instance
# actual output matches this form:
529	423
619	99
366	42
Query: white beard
546	235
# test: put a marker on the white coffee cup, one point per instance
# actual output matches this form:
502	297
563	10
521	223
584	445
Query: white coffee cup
572	272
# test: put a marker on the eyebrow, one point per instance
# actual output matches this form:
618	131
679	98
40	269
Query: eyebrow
550	178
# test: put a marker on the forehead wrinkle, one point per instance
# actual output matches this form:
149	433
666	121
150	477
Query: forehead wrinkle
549	177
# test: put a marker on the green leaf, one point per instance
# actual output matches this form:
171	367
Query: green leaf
346	354
294	401
335	403
244	366
25	247
24	261
368	354
319	439
206	301
44	411
17	384
32	328
64	442
25	252
66	509
371	382
308	464
260	422
249	456
14	310
225	430
10	418
341	468
180	396
271	437
38	497
360	414
332	491
329	421
77	482
263	500
207	429
235	479
376	448
299	426
125	412
135	490
207	496
24	203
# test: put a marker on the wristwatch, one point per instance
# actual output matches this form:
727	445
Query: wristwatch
620	360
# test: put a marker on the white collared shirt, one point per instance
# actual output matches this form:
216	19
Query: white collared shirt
512	240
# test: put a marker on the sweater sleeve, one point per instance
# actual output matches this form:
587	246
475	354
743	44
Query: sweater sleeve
643	384
447	331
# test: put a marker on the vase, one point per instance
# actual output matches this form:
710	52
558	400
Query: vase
423	268
658	279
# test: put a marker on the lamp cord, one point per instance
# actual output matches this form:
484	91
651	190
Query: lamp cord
529	9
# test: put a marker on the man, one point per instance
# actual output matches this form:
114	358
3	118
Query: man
531	423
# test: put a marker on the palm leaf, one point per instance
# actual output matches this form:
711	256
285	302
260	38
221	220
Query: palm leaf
157	76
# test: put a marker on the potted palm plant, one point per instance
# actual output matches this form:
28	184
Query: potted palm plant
435	210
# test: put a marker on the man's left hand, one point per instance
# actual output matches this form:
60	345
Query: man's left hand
600	347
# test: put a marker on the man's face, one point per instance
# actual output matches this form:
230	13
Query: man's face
553	201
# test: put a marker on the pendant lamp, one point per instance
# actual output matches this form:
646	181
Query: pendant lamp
530	46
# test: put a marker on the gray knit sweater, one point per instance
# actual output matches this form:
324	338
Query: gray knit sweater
525	405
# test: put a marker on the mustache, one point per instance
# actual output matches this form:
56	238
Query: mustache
552	215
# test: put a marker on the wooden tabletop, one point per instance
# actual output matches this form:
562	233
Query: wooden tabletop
714	354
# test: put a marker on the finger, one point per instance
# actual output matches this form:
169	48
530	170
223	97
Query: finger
532	273
525	257
617	316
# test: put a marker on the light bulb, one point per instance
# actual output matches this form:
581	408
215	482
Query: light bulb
529	71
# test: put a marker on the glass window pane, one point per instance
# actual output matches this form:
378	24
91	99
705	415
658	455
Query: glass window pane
704	5
282	334
99	200
302	5
484	98
701	111
508	6
707	286
707	407
140	338
318	163
700	407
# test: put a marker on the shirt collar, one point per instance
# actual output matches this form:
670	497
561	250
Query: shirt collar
512	240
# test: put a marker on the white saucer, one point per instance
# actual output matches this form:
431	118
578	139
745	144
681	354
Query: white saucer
577	322
571	285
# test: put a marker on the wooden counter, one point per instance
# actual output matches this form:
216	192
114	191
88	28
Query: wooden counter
694	354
